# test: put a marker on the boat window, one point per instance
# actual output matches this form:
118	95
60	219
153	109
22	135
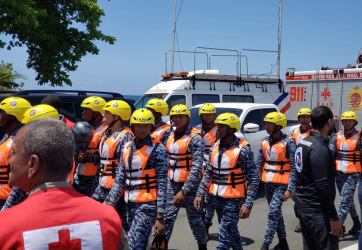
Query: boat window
174	100
238	98
252	117
200	99
195	118
144	99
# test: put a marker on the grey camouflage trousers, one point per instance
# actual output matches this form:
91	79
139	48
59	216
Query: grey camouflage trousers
346	185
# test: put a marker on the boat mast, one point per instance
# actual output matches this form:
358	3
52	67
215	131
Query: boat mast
280	35
173	37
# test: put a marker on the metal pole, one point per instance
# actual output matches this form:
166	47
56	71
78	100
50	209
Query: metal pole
173	37
280	35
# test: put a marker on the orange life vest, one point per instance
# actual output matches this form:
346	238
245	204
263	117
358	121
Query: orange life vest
5	151
348	158
228	179
298	136
141	180
179	158
90	168
71	174
209	141
157	134
277	165
108	164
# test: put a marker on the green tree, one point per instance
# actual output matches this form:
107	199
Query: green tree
8	77
57	33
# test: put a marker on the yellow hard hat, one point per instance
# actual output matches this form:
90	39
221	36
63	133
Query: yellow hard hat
158	105
142	116
94	103
277	118
117	107
39	111
349	115
229	119
180	109
15	106
207	108
304	111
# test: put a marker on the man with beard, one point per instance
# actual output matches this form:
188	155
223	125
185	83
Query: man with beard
316	191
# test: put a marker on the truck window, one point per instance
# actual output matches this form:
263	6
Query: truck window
174	100
252	117
263	113
200	99
67	110
238	98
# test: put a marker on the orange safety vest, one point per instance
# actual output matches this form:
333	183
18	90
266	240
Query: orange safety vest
298	136
179	158
348	157
71	174
157	134
209	141
108	164
5	151
228	180
90	168
141	180
277	165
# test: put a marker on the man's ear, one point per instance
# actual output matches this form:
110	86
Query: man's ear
34	167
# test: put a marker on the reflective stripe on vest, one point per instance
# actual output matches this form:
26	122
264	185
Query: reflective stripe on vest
209	140
277	165
141	180
228	179
90	168
298	136
71	174
157	134
179	159
348	158
5	151
108	164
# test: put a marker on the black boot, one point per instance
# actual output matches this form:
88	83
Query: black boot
282	245
356	226
207	232
298	228
202	247
264	246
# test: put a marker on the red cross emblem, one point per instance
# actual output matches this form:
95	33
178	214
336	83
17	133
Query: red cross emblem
325	94
65	243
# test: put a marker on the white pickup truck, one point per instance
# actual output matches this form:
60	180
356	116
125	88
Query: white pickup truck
251	117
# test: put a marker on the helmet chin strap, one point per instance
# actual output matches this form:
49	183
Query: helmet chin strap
351	128
275	130
93	117
114	121
227	135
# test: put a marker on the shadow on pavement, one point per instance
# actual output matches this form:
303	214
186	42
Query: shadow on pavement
350	237
246	241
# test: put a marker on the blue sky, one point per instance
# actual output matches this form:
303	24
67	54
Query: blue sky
315	33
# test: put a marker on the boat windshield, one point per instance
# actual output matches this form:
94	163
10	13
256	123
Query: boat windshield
144	99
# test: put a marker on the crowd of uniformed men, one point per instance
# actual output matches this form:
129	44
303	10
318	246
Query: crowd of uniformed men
147	171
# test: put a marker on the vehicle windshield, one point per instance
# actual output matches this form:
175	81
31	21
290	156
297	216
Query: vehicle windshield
144	99
196	120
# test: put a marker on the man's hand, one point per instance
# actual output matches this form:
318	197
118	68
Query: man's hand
82	155
288	194
197	203
336	228
179	199
160	228
244	212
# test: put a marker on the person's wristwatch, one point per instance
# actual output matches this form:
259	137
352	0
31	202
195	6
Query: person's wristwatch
184	191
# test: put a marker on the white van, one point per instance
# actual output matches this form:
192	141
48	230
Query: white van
209	86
